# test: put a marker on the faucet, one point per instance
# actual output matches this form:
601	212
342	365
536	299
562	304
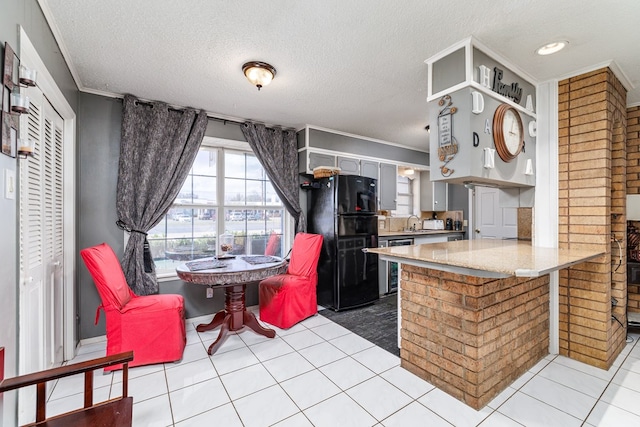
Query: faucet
412	228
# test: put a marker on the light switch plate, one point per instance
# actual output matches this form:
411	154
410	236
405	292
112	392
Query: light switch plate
9	184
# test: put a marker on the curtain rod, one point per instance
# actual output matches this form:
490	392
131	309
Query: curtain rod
224	121
177	108
209	115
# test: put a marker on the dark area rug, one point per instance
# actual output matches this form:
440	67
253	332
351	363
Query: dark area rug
377	322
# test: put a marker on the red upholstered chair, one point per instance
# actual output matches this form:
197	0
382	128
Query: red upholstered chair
151	326
273	245
288	298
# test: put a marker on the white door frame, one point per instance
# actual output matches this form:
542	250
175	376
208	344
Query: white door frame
47	84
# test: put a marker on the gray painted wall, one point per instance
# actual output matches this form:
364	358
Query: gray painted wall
459	201
359	146
99	120
448	71
27	14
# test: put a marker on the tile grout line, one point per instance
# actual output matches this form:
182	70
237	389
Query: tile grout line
609	384
494	410
350	356
545	403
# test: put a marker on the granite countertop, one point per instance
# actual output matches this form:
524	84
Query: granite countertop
417	233
487	258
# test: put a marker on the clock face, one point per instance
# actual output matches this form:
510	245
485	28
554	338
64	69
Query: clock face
512	132
508	132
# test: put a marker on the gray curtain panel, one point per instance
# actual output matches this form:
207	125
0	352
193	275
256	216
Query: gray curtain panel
277	151
157	148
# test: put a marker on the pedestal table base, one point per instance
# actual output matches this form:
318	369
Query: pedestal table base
233	318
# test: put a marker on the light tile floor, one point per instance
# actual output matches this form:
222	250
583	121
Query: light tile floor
319	374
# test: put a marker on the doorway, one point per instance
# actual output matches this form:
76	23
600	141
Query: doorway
46	332
491	220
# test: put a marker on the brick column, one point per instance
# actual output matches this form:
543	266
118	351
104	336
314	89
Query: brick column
592	203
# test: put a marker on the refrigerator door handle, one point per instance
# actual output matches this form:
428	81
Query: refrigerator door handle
364	265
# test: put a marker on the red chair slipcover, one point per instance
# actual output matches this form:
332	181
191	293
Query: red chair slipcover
288	298
272	245
151	326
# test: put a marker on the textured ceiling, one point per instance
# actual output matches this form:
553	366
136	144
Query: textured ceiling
356	66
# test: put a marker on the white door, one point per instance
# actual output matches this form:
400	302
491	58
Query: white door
492	221
41	246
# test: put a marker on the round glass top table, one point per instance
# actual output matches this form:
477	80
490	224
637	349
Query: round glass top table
232	274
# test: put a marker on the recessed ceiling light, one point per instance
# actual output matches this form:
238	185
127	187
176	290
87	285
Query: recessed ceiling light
550	48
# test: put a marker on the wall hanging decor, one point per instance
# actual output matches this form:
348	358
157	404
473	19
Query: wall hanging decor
10	122
447	144
14	102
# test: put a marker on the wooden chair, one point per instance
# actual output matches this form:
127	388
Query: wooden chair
111	413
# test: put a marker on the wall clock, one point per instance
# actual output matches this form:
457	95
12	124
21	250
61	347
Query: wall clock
508	132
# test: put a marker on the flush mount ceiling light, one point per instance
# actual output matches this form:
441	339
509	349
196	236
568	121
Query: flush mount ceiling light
550	48
259	73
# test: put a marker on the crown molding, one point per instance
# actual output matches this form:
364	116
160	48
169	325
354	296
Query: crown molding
611	64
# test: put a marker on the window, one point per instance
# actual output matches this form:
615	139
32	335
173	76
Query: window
227	192
404	201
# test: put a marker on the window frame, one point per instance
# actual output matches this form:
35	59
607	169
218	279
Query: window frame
222	145
410	195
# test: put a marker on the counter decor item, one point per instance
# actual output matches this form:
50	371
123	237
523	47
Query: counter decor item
457	224
226	246
325	171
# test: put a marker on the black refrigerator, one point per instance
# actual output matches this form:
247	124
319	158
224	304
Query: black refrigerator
343	209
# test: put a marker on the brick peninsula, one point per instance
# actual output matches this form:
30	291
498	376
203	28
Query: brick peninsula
474	314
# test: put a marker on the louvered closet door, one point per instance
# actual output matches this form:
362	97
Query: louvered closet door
41	245
41	239
53	243
31	302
